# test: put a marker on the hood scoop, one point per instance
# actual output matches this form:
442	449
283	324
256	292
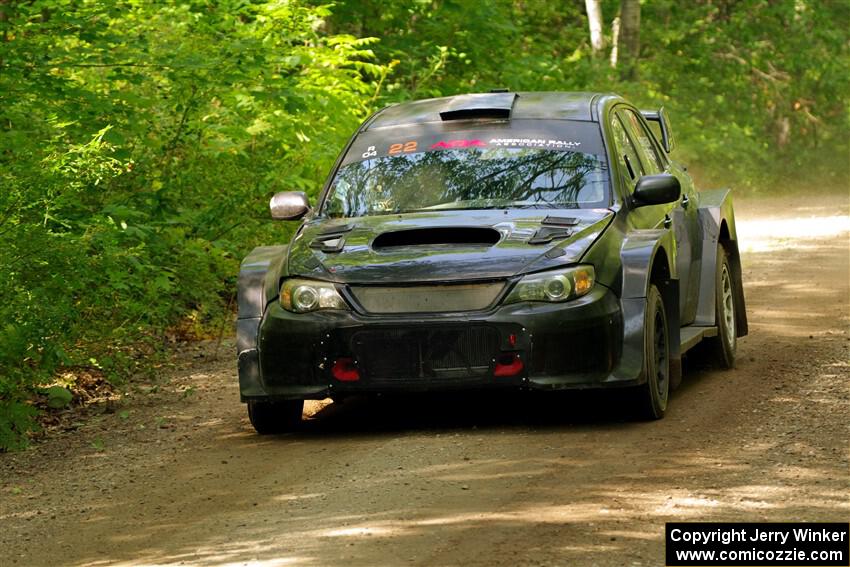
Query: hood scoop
457	235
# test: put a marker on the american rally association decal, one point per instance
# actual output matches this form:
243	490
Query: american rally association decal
533	143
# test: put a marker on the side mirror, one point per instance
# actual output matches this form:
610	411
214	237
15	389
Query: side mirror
657	189
289	205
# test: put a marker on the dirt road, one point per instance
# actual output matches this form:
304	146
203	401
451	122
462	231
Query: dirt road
176	476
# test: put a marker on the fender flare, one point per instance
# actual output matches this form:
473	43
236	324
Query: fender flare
638	255
257	277
715	212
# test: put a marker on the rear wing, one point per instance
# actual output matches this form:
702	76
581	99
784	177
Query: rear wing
660	116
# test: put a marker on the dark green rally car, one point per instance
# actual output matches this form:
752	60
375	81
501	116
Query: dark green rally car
500	240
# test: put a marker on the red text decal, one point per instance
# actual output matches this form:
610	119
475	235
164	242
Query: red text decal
450	144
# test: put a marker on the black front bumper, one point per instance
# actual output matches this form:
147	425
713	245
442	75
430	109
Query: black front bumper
577	344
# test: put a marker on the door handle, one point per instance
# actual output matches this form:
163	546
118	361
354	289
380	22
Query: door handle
685	201
667	221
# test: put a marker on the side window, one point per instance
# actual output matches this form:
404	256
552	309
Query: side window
647	149
626	154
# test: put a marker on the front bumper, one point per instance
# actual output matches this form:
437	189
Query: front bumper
584	343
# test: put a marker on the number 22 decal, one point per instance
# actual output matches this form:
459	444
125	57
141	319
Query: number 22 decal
406	147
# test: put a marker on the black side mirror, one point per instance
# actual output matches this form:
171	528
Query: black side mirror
289	205
657	189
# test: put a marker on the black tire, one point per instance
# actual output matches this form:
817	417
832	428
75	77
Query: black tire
655	392
723	348
269	418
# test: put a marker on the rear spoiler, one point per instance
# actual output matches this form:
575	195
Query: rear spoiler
660	116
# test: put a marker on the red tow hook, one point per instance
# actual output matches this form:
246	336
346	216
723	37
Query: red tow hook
512	368
344	370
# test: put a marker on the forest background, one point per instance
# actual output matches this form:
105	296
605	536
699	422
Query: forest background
140	140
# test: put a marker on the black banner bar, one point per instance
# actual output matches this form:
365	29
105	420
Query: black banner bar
757	544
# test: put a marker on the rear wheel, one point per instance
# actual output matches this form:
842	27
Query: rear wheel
655	392
724	346
275	417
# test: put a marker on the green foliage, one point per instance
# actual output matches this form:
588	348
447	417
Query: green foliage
16	421
140	141
139	144
757	89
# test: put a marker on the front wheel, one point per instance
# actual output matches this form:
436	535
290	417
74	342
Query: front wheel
725	345
656	390
269	418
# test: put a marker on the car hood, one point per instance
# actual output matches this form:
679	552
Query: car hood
443	246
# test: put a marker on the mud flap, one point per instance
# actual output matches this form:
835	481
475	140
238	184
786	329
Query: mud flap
248	363
670	295
715	208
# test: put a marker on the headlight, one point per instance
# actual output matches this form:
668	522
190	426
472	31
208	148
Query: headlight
555	286
303	296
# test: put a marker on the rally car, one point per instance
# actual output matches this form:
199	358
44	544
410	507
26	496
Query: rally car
492	241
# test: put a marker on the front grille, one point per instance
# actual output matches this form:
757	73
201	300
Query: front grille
447	298
434	353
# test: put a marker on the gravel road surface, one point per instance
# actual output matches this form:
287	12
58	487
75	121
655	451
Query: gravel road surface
174	475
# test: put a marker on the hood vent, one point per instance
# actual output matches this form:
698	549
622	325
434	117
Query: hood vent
553	228
547	234
440	235
329	243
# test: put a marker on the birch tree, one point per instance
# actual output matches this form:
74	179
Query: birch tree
594	21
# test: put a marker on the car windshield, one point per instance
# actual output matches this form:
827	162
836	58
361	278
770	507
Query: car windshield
469	178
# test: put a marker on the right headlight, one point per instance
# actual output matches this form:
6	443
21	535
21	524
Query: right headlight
303	296
554	286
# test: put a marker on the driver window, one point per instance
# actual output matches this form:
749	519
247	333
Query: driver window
630	165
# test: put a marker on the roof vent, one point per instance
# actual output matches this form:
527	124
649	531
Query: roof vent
472	106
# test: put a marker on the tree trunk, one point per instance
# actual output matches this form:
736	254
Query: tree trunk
615	35
594	21
629	44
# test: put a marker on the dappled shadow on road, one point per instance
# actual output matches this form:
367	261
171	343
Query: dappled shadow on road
419	512
556	479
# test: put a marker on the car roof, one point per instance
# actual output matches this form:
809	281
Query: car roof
516	105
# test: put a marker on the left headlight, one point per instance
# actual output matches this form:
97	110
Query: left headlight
303	296
554	286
